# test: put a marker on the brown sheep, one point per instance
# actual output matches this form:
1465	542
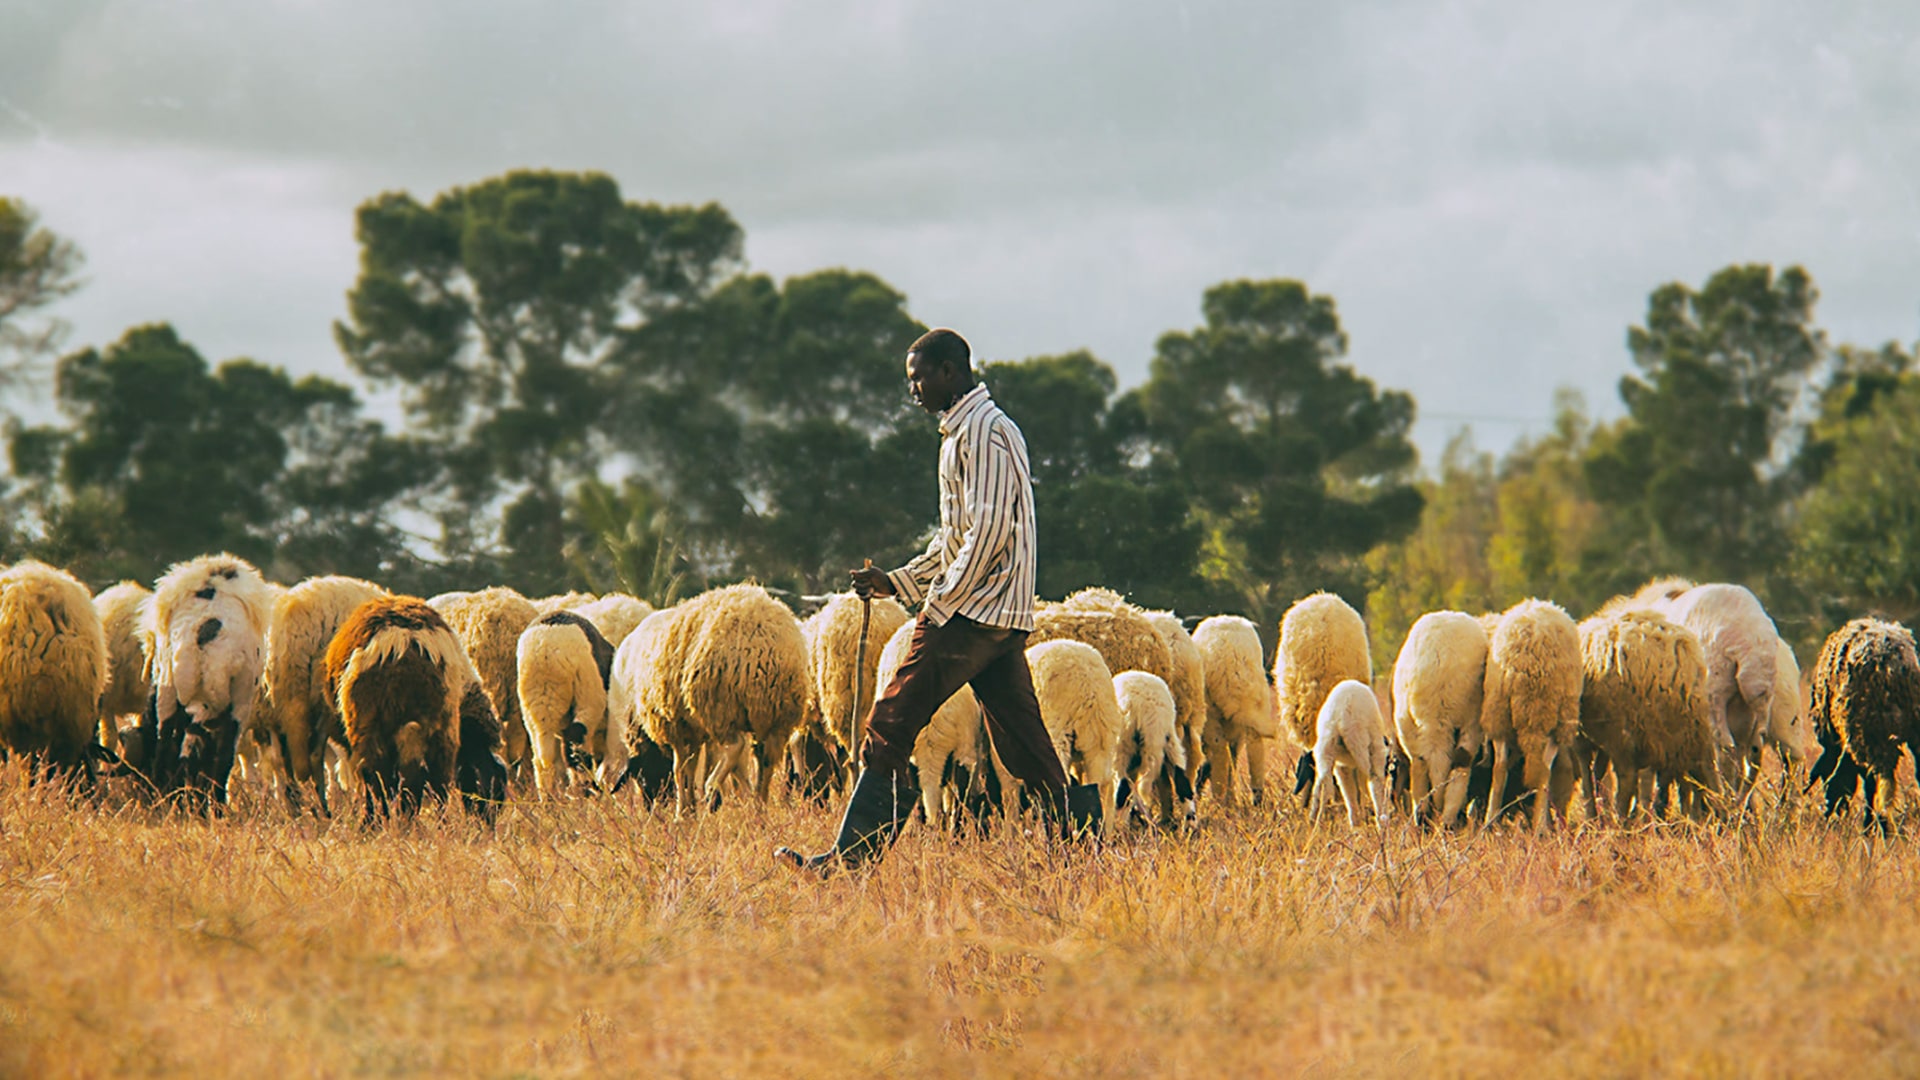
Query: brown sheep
1866	707
399	676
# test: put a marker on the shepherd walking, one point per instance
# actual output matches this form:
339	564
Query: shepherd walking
976	580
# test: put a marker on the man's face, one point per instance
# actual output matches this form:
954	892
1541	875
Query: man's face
931	384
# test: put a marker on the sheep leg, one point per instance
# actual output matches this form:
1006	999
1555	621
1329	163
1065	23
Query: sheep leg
686	766
1219	754
1346	779
1257	768
547	762
1496	795
1317	797
1536	776
763	771
1458	782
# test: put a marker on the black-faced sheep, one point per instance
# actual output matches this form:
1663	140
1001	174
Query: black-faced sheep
564	666
1189	686
1240	711
1530	706
208	618
398	676
1151	755
1438	684
1866	707
1078	705
53	666
1350	744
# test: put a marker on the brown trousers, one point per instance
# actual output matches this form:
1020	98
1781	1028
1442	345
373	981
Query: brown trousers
942	659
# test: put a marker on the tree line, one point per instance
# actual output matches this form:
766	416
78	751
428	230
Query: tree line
598	394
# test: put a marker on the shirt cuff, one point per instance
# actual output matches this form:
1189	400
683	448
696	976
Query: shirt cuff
905	589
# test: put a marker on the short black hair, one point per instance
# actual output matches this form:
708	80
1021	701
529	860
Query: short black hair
944	346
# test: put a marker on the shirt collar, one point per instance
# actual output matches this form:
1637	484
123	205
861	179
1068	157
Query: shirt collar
969	403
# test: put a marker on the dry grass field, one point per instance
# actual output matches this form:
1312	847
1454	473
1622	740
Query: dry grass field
591	938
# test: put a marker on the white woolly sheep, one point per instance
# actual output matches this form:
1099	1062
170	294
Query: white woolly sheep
564	666
650	764
1530	706
1082	715
726	672
1150	754
1742	651
1189	685
398	676
1350	742
1240	711
208	618
1866	707
1438	683
567	601
1643	705
489	623
1120	632
833	642
305	715
1322	643
129	682
616	614
1790	731
53	665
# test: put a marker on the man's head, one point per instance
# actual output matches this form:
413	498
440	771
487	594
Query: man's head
939	370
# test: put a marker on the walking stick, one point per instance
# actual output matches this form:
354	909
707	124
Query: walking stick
854	722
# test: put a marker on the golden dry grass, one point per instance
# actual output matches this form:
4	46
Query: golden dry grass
591	938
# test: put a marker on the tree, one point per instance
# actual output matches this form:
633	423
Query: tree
1297	464
1442	564
1696	465
164	459
1102	521
37	268
495	309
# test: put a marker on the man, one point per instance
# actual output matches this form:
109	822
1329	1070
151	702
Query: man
976	581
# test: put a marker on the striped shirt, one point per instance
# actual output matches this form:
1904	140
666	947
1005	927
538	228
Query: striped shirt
981	562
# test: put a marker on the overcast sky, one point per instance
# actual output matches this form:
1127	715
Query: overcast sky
1488	190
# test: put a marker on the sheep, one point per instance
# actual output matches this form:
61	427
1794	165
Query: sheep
489	623
1530	704
129	682
304	714
725	671
1350	742
1120	632
1789	730
1742	651
1322	643
567	601
208	618
615	614
1438	684
1151	752
649	764
564	665
53	666
1189	684
833	639
1082	715
398	676
1866	706
1643	704
1240	711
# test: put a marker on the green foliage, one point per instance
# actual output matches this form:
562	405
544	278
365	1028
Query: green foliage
626	540
37	267
1297	464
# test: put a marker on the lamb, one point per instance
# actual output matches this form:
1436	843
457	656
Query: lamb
1350	742
833	640
1530	704
1082	714
53	666
1322	643
489	623
1438	685
1151	753
565	665
615	614
305	714
1866	706
129	682
1643	704
725	671
398	676
208	618
1240	711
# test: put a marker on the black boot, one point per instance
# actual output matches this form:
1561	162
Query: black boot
880	804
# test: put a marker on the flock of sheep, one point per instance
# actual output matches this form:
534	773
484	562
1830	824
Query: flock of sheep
335	688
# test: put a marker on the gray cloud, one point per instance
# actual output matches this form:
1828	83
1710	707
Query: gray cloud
1490	190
